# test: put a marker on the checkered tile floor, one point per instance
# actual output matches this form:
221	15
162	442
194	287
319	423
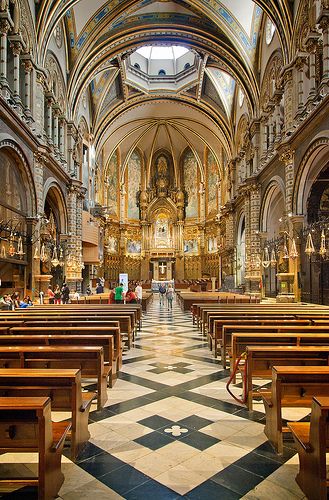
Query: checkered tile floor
170	429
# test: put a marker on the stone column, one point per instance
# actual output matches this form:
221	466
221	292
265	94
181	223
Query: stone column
271	130
16	48
287	157
288	100
311	47
72	135
28	68
324	25
255	141
300	64
49	118
56	129
4	28
62	137
254	269
277	117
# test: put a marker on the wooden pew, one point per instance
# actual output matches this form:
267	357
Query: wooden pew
104	341
62	386
63	323
261	359
236	338
217	337
76	330
26	426
292	387
312	443
90	360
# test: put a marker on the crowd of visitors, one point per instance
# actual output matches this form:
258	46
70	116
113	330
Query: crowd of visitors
10	302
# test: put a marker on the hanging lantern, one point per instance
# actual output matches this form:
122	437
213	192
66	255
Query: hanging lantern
36	255
323	249
61	257
20	250
43	254
293	250
309	249
273	258
266	258
54	259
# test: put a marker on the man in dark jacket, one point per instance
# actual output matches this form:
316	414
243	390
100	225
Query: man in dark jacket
65	292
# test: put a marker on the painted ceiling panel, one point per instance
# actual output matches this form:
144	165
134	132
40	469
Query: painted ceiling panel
225	86
163	7
84	10
242	10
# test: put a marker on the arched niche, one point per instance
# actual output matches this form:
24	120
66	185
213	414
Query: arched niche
273	208
17	205
313	162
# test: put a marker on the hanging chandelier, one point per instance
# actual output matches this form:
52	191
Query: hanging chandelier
309	249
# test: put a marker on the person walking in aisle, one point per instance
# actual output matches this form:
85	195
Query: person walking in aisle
162	293
139	293
170	296
119	294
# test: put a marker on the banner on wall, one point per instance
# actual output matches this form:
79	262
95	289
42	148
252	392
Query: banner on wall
123	278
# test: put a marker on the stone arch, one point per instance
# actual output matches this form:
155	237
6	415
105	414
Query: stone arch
311	165
273	206
10	146
54	194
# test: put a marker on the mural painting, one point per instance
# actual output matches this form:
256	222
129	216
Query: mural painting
190	170
134	183
134	246
112	183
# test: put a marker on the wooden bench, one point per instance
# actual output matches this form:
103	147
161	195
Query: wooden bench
312	443
63	323
292	387
236	338
26	426
261	359
90	360
76	330
62	386
216	338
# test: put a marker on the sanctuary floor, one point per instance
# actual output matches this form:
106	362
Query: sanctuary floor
171	430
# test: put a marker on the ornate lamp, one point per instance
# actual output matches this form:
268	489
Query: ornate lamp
293	251
309	249
54	259
273	258
266	258
323	249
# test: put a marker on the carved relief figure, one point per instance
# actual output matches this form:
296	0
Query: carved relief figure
112	185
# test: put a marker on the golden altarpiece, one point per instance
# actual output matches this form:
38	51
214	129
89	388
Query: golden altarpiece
158	222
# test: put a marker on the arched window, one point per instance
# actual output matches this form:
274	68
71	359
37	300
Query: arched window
162	72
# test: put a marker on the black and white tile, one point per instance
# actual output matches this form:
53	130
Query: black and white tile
170	429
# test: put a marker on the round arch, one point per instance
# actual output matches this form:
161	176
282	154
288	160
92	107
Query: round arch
54	195
311	165
8	146
273	207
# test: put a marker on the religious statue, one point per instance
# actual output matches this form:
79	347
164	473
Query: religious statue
162	180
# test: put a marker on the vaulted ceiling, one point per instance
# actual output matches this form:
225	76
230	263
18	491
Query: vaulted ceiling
196	109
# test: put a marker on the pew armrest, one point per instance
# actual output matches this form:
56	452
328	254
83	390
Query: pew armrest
301	433
267	398
60	431
87	399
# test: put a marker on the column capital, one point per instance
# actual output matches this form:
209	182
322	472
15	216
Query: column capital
287	156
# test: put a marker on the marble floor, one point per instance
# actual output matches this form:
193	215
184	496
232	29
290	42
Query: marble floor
171	430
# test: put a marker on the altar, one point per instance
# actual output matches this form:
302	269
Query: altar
155	284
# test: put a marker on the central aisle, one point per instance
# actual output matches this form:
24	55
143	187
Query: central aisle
172	430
